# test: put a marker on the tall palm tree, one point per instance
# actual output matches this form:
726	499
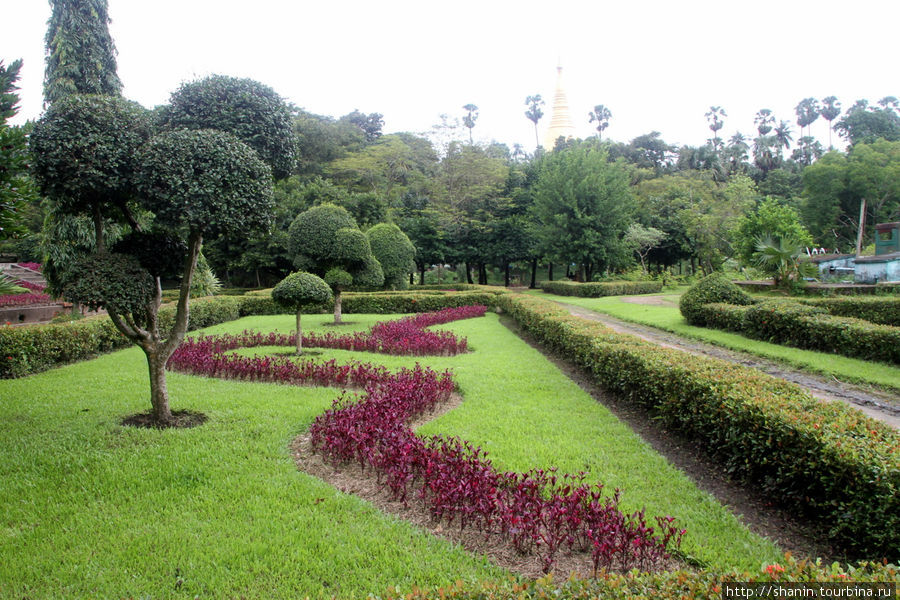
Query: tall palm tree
534	114
470	118
737	152
714	116
783	136
763	156
807	112
831	110
763	121
602	115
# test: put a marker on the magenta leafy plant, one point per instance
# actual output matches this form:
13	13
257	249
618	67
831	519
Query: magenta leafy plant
24	299
538	511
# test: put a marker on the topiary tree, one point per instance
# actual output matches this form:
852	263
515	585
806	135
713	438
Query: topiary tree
325	240
92	156
395	253
248	109
716	287
298	291
85	155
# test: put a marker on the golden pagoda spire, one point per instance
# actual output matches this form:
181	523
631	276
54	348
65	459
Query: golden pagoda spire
560	120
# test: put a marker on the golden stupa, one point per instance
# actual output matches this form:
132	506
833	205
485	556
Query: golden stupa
560	119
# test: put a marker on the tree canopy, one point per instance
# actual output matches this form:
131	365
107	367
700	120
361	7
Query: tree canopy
394	252
247	109
583	207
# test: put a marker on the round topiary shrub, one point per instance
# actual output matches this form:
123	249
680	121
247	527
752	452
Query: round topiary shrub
113	281
716	287
298	291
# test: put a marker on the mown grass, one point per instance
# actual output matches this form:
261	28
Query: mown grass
669	318
89	508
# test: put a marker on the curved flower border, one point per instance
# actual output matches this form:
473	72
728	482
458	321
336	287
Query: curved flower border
537	511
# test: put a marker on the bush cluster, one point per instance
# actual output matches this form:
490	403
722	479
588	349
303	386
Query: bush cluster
805	326
603	288
716	287
883	310
835	464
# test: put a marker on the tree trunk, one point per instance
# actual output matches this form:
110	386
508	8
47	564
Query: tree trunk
534	263
337	307
299	333
862	227
482	274
468	273
506	276
412	278
550	272
422	274
98	228
159	392
258	284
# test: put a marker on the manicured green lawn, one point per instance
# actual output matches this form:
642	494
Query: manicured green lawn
89	508
669	318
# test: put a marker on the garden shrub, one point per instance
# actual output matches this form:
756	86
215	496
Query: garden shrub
837	465
883	310
722	316
716	287
666	585
34	348
603	288
784	321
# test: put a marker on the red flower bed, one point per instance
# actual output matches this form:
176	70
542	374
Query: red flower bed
24	299
538	511
31	265
34	287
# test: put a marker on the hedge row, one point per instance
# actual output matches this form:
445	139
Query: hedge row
605	288
806	326
673	585
34	348
838	466
31	349
883	310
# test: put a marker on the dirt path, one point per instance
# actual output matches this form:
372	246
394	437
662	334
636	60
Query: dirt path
876	404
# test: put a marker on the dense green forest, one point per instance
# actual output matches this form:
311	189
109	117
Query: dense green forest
585	208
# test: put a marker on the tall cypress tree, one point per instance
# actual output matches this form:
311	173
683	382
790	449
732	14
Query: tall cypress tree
81	55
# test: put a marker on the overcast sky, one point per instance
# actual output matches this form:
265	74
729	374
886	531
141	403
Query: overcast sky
657	65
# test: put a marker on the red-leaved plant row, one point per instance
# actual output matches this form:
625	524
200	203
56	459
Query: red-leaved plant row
537	512
24	299
34	287
31	265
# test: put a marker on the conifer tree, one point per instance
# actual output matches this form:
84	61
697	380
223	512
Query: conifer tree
81	55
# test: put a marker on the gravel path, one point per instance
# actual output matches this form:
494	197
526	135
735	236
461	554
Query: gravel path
876	404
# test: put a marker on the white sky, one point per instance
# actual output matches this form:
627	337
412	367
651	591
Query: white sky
657	65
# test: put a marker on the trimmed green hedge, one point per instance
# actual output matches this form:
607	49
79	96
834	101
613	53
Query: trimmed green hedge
604	288
716	287
837	465
806	326
667	585
34	348
883	310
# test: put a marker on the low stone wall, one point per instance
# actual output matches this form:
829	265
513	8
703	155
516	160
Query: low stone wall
18	315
